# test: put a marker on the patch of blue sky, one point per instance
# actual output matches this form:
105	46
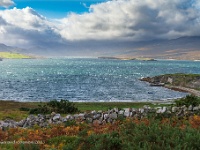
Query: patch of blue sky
57	8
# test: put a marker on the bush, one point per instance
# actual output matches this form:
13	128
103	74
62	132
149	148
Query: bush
188	100
62	106
42	109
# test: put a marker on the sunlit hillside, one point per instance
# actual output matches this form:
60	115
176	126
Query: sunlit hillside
10	55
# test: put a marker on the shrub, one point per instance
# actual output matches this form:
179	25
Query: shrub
188	100
43	109
62	106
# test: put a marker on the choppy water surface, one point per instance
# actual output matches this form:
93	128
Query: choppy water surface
87	79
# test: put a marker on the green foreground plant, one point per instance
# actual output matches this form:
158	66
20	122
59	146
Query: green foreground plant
62	106
188	100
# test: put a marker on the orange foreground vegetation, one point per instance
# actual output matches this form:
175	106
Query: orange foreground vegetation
44	134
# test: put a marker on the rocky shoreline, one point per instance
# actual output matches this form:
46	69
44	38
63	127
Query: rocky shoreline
179	82
100	117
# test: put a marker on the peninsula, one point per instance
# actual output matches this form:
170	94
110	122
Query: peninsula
128	58
180	82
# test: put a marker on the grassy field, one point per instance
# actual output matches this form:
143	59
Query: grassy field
10	55
11	109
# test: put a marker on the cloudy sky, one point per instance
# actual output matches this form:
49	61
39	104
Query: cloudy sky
85	26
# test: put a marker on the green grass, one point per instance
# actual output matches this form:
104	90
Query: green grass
107	105
11	109
11	55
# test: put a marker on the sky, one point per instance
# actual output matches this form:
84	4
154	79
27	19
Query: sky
88	26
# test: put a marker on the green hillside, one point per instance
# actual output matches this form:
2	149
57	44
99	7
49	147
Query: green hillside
10	55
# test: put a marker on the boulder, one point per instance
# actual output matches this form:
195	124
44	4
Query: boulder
56	117
113	115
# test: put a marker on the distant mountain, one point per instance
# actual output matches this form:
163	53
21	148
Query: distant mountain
5	48
15	52
182	48
187	48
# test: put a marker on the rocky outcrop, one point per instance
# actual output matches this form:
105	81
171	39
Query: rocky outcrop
100	117
179	82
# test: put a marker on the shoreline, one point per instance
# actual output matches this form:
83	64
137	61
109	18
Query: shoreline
183	89
103	101
188	83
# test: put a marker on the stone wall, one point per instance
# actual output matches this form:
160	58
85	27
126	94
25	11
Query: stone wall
100	117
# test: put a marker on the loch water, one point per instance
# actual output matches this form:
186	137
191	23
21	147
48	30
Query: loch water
86	79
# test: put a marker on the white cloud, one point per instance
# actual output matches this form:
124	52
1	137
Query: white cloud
25	27
124	20
133	20
6	3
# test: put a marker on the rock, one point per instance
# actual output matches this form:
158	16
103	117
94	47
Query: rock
4	124
76	116
109	120
47	116
180	113
43	124
97	116
184	108
53	114
93	112
50	121
69	117
121	112
127	109
21	123
64	120
56	117
146	108
25	124
113	115
164	109
101	119
127	114
106	116
58	122
190	108
81	116
195	108
141	110
116	109
159	111
174	109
